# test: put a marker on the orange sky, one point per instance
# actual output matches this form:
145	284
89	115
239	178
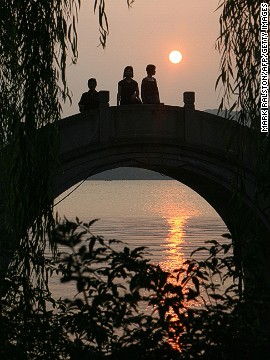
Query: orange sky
145	34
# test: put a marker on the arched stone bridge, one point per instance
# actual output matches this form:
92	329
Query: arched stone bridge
196	148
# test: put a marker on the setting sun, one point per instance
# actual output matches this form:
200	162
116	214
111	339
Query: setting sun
175	56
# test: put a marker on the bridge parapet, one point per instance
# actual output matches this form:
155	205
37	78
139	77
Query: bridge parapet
154	123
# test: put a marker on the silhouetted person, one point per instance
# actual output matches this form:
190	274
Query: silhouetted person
128	89
89	99
149	88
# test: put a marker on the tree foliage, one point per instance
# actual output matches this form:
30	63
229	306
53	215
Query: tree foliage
239	44
124	306
127	307
35	40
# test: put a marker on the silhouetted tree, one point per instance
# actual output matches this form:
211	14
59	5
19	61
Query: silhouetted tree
240	70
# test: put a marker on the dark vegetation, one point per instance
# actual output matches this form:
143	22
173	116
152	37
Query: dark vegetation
126	307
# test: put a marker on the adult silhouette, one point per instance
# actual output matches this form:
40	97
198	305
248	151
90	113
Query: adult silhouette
149	88
128	89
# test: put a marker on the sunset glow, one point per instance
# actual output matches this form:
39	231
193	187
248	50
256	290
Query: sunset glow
169	30
175	57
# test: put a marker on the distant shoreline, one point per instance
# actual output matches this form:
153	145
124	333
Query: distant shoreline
129	174
144	179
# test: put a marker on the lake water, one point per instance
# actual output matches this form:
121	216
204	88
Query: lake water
165	215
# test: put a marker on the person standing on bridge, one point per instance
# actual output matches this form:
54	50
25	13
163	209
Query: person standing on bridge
128	89
89	99
149	88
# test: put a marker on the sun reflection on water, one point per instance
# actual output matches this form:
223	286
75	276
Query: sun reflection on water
174	257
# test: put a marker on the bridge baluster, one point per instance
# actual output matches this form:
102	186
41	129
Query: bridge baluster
189	99
104	98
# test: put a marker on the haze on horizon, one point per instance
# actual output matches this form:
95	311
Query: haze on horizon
144	34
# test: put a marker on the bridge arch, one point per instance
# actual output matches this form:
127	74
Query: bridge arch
204	175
